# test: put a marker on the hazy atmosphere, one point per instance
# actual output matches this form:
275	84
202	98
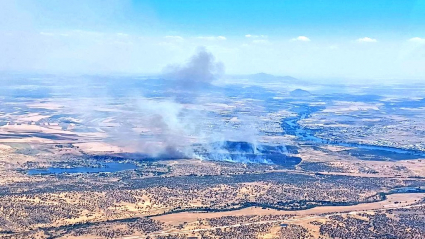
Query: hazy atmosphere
212	119
305	39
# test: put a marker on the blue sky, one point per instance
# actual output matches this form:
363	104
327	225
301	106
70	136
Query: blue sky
289	17
306	39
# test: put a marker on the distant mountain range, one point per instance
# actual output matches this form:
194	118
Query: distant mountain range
299	93
269	77
264	77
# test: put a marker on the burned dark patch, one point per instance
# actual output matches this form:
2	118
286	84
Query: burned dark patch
245	152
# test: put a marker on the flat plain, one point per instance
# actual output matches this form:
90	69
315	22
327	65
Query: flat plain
129	157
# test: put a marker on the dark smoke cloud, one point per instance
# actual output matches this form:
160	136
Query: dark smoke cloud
201	69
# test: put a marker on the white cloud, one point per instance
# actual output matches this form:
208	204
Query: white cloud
367	39
47	33
120	34
255	36
176	38
417	40
301	38
86	33
212	38
260	41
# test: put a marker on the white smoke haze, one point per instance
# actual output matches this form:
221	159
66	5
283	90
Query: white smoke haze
160	128
166	127
234	141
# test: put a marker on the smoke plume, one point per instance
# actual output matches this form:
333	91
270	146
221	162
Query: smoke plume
180	121
166	127
201	69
